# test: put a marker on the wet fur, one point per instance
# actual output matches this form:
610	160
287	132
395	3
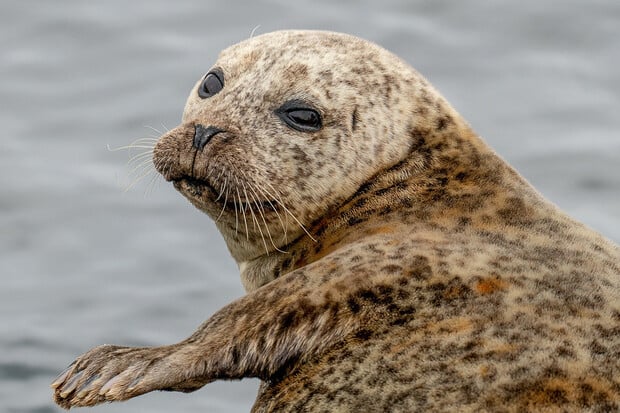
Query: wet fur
420	271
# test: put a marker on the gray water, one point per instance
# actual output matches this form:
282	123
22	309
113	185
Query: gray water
82	262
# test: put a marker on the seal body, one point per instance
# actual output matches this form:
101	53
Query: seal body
393	261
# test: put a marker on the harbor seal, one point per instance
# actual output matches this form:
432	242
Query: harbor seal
392	261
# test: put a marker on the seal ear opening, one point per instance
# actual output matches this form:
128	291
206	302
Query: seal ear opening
354	120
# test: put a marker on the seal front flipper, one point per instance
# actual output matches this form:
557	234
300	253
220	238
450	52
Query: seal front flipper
113	373
258	335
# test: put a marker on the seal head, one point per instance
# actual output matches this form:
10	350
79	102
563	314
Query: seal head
288	126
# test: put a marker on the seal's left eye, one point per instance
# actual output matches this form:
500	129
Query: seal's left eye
211	84
300	116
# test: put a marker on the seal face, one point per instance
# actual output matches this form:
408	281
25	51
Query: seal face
294	138
393	261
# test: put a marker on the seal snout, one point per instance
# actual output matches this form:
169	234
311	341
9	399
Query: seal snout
203	135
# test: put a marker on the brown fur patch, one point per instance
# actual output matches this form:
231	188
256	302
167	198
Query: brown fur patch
490	285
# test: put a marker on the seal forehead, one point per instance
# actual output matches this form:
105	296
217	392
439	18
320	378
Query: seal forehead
334	60
312	47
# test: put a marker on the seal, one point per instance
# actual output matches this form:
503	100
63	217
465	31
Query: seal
392	261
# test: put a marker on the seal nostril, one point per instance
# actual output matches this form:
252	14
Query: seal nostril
203	135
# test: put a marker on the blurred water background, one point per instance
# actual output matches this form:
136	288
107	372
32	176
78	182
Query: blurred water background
84	263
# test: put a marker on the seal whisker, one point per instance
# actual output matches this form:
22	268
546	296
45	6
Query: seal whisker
263	172
155	129
226	190
138	170
149	170
132	146
153	182
256	223
254	30
278	197
260	211
291	214
236	205
163	125
141	155
267	199
141	143
275	210
140	164
242	208
221	190
215	182
167	162
247	204
144	162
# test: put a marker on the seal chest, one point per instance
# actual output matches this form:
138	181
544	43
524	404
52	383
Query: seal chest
392	261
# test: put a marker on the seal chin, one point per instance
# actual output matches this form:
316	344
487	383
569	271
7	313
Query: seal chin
194	188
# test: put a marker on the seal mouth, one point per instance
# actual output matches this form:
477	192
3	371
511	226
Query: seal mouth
228	200
193	187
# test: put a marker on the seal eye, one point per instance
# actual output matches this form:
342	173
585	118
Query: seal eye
300	116
211	84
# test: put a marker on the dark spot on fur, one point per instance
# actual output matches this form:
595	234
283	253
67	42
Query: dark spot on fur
360	202
354	220
443	122
385	292
288	319
515	212
386	210
400	321
363	334
565	352
391	269
461	176
557	396
321	229
235	355
418	268
367	295
381	192
597	349
353	305
363	189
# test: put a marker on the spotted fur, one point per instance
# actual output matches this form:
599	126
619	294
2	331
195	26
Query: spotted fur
393	261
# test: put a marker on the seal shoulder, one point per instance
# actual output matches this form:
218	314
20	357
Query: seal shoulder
460	320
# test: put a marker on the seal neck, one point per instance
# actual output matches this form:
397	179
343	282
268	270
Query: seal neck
450	178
